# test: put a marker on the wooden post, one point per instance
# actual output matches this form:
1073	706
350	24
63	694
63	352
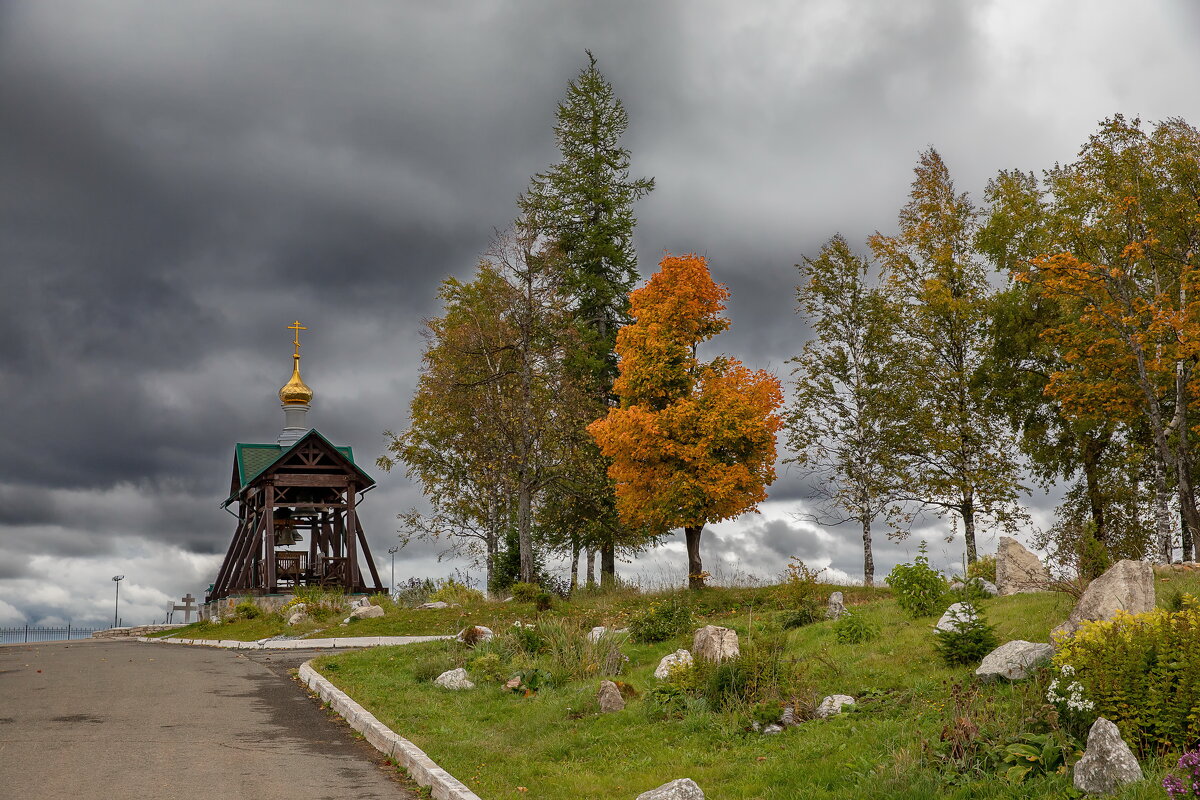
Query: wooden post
269	537
362	538
352	580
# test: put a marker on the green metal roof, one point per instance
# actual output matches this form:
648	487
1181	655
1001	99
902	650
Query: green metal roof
253	459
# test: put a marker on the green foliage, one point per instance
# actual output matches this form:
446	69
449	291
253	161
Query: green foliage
1034	754
451	591
432	664
984	567
543	601
854	628
973	638
525	592
488	666
320	604
247	609
530	681
803	593
762	672
570	653
1093	555
970	592
662	619
919	588
1139	671
528	638
808	613
414	592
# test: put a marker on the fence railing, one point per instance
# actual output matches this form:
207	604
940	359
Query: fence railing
42	633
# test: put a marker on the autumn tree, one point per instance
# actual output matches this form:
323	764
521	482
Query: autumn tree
691	442
844	425
584	204
486	428
959	451
1121	263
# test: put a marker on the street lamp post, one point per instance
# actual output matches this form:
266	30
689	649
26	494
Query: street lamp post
392	552
117	602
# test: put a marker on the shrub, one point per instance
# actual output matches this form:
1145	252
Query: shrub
528	681
661	620
806	614
427	667
247	609
801	585
320	604
525	592
762	673
919	588
489	666
984	567
970	641
542	601
571	654
527	638
414	592
451	591
854	628
1139	671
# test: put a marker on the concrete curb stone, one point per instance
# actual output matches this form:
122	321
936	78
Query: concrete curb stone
296	644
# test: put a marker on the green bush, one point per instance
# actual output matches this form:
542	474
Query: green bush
808	612
525	592
428	666
571	654
527	638
488	666
853	628
761	673
247	609
320	604
661	620
973	638
543	601
984	567
1139	671
919	588
414	592
451	591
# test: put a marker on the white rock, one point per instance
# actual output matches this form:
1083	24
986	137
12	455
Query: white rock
837	606
367	612
833	705
435	604
1017	569
482	634
1013	660
1107	763
454	679
1125	586
956	615
788	718
772	729
610	698
297	617
714	643
680	789
596	633
987	586
681	657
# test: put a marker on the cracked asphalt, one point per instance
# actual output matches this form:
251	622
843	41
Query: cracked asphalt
121	719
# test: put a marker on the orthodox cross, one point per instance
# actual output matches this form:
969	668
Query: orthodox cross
297	327
189	605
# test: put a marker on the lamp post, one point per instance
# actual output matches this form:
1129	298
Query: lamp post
392	552
117	602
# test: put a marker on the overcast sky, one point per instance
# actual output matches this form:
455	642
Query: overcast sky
179	181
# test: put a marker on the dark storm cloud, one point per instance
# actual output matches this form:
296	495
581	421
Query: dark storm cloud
180	181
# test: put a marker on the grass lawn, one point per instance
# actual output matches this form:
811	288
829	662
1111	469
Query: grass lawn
556	744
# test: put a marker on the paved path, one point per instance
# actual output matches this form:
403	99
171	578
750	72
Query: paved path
125	720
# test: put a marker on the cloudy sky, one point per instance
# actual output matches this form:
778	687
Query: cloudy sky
179	181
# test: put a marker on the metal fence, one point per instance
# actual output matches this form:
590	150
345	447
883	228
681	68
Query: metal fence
39	633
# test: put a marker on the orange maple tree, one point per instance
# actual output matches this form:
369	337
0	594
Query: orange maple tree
691	442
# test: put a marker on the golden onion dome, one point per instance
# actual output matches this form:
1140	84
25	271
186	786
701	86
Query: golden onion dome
296	392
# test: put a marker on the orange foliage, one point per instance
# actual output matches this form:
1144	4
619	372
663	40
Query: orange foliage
690	443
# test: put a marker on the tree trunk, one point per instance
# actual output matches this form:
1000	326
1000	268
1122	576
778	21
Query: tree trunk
608	563
1164	535
1093	449
868	556
591	567
574	564
695	567
524	536
968	518
1186	493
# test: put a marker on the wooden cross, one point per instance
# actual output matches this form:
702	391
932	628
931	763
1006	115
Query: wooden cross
189	605
297	327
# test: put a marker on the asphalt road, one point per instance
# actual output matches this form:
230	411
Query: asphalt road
100	719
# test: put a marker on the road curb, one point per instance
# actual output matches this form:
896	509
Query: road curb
295	644
421	768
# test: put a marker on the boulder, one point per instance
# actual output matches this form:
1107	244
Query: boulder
987	586
956	616
435	604
597	633
714	643
788	718
610	698
1126	586
1107	763
837	606
1017	569
772	729
1013	660
298	614
454	679
366	612
681	657
832	705
482	634
680	789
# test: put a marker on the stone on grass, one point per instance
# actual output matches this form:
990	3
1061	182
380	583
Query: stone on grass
832	705
788	718
837	606
476	633
772	729
299	614
1107	763
1126	586
987	586
366	612
680	789
454	679
957	615
714	643
1017	569
1013	660
610	698
435	604
680	657
597	633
